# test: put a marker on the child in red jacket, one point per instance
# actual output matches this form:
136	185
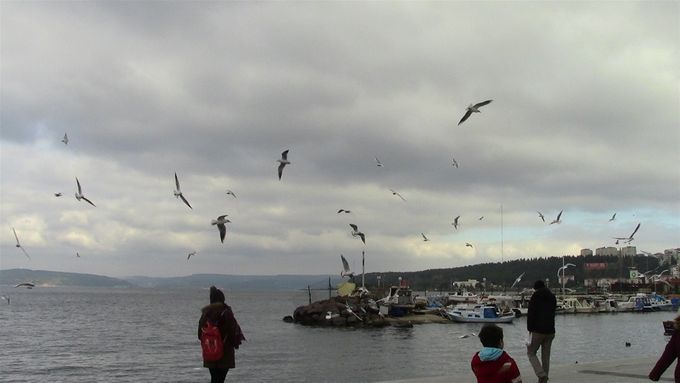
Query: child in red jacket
492	364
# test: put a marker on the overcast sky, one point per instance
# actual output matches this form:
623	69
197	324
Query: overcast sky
584	119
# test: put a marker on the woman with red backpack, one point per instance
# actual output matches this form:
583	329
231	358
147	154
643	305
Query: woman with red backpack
220	335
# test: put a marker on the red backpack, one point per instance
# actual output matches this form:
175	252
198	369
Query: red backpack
212	344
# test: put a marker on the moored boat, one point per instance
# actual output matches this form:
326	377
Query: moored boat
479	314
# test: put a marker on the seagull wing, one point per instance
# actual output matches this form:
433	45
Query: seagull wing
354	227
635	231
281	166
222	217
185	201
25	253
363	237
80	191
345	265
424	237
88	201
177	183
284	155
15	236
223	231
482	103
465	117
541	215
559	215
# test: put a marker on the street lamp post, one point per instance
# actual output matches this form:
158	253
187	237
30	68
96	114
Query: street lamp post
563	269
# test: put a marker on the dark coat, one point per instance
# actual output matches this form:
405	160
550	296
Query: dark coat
671	352
221	313
541	315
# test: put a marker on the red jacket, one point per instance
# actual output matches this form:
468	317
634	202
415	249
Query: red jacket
671	352
492	371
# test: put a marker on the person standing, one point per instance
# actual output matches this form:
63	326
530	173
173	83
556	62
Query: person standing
670	353
541	327
219	314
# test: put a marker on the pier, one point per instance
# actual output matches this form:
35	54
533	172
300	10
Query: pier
620	371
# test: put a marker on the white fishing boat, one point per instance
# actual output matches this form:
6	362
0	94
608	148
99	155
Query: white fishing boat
479	314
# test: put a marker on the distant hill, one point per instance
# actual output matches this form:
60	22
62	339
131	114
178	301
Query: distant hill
239	282
57	278
499	274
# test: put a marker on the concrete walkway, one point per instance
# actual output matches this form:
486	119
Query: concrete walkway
619	371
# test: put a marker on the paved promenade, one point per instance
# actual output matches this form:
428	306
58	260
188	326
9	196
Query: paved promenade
616	371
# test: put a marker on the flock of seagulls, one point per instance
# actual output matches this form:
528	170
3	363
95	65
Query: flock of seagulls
222	220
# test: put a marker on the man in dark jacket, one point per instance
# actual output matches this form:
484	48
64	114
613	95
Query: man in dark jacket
220	313
541	326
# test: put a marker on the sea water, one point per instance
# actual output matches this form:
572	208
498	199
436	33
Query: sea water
67	334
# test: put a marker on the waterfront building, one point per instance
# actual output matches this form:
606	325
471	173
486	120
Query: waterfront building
628	251
586	252
607	251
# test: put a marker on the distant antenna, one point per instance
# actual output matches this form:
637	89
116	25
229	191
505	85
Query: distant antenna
501	233
363	268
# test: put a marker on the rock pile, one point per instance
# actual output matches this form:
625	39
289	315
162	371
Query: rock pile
340	311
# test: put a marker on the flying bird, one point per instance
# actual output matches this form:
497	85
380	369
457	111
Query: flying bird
77	254
425	239
467	335
178	192
345	268
481	218
612	218
454	162
79	194
193	253
557	220
357	233
344	211
58	194
630	238
283	162
19	245
65	139
455	223
468	244
220	221
541	215
27	285
397	194
229	192
378	163
517	280
473	109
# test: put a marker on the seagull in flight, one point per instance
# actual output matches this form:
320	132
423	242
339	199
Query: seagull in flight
612	218
378	163
473	109
481	218
229	192
193	253
454	162
19	245
283	162
357	233
630	238
344	211
27	285
345	268
77	254
178	192
397	194
220	221
455	223
425	239
79	194
557	220
467	335
65	139
468	244
541	215
58	194
517	280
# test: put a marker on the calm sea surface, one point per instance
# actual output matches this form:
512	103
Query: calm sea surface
149	335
